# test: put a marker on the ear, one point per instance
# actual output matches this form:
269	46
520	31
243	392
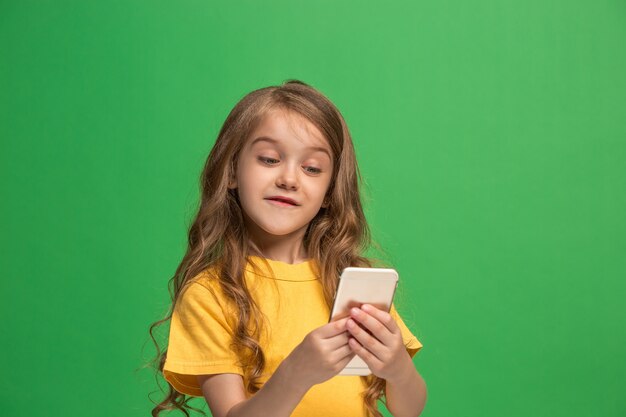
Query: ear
325	203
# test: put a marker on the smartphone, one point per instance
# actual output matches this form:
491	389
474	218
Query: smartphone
357	286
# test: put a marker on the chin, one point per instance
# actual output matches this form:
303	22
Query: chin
264	225
280	231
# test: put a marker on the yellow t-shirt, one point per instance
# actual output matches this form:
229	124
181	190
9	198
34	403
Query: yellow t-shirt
291	297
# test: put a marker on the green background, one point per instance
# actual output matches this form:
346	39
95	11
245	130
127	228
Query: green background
491	136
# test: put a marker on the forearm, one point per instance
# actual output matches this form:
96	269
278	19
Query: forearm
278	397
406	397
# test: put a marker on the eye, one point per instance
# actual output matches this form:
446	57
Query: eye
268	161
312	170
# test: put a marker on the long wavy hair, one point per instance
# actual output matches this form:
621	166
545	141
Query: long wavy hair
336	238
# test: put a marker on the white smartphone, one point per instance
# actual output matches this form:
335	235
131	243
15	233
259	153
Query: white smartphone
357	286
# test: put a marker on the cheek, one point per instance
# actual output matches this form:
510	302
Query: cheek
252	184
252	174
319	190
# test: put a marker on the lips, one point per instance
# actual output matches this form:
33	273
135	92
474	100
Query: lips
281	199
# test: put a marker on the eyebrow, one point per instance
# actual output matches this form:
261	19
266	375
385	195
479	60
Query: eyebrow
274	141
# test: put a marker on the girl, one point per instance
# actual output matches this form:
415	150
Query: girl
280	217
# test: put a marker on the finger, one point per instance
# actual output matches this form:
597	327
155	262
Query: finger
337	341
347	357
382	316
378	329
366	340
341	353
368	357
333	328
343	362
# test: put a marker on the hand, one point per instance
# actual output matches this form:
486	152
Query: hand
322	354
383	350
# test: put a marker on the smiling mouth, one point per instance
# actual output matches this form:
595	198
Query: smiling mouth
283	201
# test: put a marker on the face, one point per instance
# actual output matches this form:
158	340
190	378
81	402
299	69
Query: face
283	172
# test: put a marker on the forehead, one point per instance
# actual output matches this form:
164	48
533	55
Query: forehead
286	126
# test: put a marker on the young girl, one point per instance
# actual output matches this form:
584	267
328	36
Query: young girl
280	217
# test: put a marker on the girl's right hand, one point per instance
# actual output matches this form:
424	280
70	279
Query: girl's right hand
322	354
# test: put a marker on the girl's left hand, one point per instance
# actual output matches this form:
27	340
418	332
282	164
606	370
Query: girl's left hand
384	350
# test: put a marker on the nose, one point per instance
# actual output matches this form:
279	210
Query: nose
287	178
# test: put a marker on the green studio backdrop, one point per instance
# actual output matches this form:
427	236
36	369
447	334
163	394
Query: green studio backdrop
490	135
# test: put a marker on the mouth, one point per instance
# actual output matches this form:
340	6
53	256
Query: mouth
283	201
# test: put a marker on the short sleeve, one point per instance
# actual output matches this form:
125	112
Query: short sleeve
199	340
413	345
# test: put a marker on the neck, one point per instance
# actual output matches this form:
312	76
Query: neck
285	248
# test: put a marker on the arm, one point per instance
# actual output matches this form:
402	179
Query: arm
278	397
321	355
406	396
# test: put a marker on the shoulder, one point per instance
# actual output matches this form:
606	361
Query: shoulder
202	297
201	288
207	278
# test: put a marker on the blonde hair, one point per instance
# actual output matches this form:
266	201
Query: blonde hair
336	238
